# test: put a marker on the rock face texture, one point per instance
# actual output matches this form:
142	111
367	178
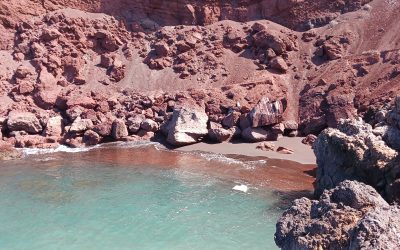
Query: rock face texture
137	61
266	113
351	216
23	121
357	151
187	126
150	14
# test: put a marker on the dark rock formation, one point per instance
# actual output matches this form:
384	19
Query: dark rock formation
355	151
351	216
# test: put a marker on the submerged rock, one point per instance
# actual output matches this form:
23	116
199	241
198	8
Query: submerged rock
351	216
187	126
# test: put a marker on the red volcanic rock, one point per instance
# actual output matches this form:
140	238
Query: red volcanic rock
266	146
266	113
220	134
290	125
283	150
74	112
23	71
82	101
119	129
107	60
258	135
110	42
8	152
278	128
25	87
104	128
46	79
309	139
81	125
46	99
231	119
103	107
49	34
134	123
23	121
54	126
279	64
37	141
161	48
149	125
91	138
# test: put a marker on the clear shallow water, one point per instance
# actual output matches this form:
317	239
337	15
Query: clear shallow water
71	201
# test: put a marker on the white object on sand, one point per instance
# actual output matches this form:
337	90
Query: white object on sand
242	188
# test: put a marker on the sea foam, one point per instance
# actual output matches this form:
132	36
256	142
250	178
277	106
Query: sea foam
61	148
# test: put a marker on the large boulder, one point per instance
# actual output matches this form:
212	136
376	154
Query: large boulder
91	138
187	126
220	134
149	125
119	129
23	121
54	126
353	152
266	113
351	216
258	135
81	125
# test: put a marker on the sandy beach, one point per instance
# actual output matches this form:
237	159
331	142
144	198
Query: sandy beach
302	153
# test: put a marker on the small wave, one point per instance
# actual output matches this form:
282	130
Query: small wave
61	148
229	160
219	157
134	144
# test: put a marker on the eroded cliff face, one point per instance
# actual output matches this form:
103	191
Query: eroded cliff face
295	14
57	59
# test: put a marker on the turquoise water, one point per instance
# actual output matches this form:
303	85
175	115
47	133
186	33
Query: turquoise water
67	201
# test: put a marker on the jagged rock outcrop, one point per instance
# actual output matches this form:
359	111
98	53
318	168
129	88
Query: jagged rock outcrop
148	15
266	113
351	216
354	152
187	126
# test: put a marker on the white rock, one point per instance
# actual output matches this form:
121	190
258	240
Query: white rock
241	188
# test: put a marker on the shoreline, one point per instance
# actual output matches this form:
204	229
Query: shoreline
240	162
303	154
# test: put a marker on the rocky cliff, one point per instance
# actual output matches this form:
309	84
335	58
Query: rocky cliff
364	152
349	216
